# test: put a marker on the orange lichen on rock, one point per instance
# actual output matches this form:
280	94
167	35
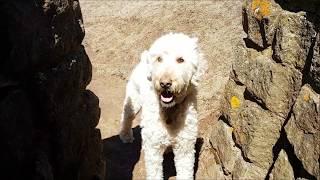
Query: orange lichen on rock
306	97
261	8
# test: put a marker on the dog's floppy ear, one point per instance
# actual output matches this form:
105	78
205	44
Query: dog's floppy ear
145	59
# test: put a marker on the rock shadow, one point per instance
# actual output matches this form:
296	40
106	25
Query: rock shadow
121	158
169	169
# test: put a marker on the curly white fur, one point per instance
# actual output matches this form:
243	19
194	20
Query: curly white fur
169	114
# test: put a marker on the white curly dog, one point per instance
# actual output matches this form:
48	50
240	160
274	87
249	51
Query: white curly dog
163	85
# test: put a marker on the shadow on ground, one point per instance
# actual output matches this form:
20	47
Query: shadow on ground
169	169
121	158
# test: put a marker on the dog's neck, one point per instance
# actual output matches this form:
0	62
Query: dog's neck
169	114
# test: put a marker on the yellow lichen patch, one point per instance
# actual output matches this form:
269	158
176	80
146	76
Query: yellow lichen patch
230	129
306	97
261	8
235	102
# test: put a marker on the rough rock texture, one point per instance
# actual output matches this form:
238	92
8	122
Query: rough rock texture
271	101
315	66
303	129
282	168
47	117
224	147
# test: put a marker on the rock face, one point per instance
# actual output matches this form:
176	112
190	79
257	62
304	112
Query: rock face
272	99
282	168
48	118
303	129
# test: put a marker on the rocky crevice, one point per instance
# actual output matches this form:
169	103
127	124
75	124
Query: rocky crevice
251	97
284	144
250	44
246	159
298	169
306	79
281	144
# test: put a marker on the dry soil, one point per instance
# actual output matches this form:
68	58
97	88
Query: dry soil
116	34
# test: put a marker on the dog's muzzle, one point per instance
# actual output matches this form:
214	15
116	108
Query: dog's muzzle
166	95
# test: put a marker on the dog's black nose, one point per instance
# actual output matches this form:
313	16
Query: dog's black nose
165	85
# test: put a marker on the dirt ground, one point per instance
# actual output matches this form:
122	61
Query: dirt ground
117	32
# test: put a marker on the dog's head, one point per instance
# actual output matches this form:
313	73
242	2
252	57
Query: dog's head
175	65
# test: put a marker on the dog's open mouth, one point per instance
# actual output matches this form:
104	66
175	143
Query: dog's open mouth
166	97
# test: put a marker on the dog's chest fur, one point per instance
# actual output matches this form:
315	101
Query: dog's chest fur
173	119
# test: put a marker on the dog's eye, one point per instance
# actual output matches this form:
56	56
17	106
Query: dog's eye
159	59
180	60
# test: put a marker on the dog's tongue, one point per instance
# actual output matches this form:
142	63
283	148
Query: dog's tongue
166	97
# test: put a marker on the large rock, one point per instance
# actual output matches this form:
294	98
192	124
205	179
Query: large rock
48	118
250	133
273	86
229	157
249	124
282	168
303	129
40	33
259	19
293	39
246	170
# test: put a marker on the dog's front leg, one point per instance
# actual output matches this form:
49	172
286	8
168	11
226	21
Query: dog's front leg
184	149
131	106
153	154
184	158
153	162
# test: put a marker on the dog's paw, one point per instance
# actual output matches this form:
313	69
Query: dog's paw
126	137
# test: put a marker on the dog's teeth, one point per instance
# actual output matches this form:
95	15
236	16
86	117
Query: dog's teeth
166	99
